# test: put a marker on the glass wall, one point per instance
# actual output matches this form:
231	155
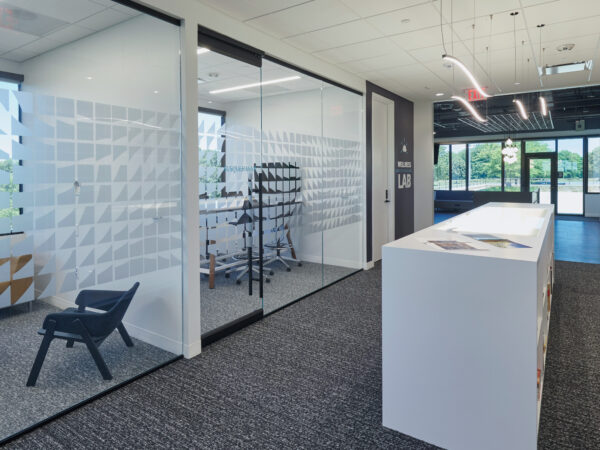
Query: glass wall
594	165
459	167
91	206
286	150
441	171
540	146
485	166
570	176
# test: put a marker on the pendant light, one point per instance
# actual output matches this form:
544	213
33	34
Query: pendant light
510	152
518	102
543	105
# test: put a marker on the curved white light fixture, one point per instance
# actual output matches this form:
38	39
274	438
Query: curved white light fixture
456	62
522	111
472	110
543	106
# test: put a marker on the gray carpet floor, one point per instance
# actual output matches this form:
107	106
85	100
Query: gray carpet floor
309	376
68	376
229	301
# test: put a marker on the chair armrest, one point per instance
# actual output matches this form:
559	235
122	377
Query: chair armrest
97	299
65	320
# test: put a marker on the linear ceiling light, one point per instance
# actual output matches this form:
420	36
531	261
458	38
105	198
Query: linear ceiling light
543	106
251	85
472	110
202	50
456	62
522	111
567	68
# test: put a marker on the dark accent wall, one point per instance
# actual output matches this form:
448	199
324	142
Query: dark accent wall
403	164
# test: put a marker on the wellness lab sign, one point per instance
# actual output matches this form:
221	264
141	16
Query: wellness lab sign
404	172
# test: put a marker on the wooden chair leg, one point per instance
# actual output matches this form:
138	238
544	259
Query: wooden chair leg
125	335
211	274
41	354
289	239
102	367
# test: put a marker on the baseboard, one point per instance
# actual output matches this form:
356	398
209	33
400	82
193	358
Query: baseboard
331	261
192	350
369	265
231	327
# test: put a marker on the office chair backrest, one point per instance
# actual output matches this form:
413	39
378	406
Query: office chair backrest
109	320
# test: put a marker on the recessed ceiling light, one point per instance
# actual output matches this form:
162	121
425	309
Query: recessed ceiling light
202	50
567	68
89	78
251	85
210	101
156	92
439	94
517	83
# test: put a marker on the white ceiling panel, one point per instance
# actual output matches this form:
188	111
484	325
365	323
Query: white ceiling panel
248	9
394	59
372	8
361	50
68	10
420	16
484	26
562	11
304	18
18	55
336	36
426	37
10	40
104	19
69	34
565	30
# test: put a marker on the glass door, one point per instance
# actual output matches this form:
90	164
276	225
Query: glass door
570	176
541	177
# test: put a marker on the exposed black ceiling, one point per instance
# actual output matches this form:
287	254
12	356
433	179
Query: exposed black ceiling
565	106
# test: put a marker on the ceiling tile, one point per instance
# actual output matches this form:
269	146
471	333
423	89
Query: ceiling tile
67	10
336	36
366	8
125	10
10	40
562	11
69	34
484	26
304	18
104	19
425	37
420	16
18	55
248	9
361	50
397	58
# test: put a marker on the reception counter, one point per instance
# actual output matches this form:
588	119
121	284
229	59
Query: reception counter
466	308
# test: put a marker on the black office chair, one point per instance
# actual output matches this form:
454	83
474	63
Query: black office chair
89	327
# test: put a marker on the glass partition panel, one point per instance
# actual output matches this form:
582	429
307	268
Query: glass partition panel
485	166
441	177
229	139
540	146
570	176
459	167
512	172
91	205
342	183
594	164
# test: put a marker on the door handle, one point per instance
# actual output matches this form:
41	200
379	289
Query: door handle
387	200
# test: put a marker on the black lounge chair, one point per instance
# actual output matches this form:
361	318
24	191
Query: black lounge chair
89	327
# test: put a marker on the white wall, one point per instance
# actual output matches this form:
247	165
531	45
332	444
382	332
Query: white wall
423	169
127	63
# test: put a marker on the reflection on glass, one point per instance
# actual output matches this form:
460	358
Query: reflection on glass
441	172
594	164
512	172
570	176
485	166
540	146
540	177
459	167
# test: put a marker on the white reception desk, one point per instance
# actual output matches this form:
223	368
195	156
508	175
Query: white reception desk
465	330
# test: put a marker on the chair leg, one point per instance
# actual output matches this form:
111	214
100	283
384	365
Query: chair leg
41	355
125	335
102	367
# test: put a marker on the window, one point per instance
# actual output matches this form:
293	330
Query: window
594	164
540	146
211	147
459	167
570	176
442	169
512	172
485	166
8	113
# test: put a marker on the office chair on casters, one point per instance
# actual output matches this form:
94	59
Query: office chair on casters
248	253
88	327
